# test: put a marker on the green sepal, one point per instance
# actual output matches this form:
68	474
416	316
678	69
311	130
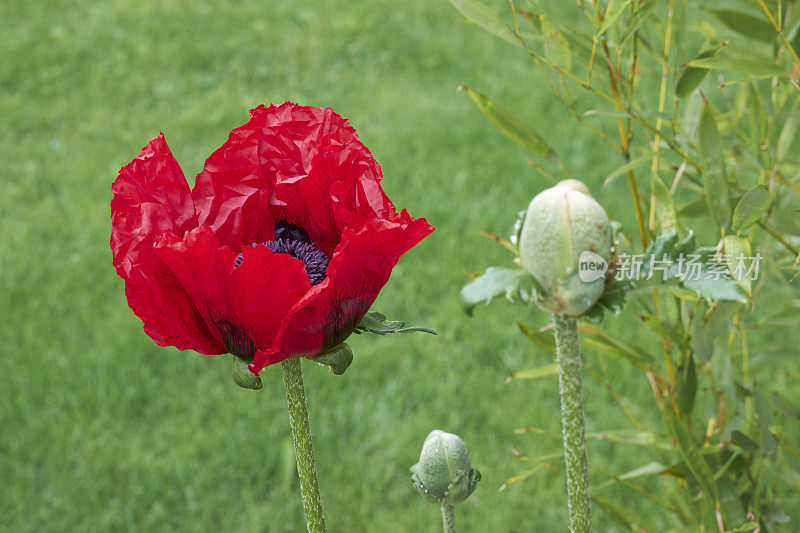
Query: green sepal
337	359
375	322
242	375
513	283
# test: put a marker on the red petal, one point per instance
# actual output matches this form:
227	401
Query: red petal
150	197
203	266
262	290
296	163
358	270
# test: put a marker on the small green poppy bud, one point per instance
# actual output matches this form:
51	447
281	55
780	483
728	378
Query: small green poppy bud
565	244
443	473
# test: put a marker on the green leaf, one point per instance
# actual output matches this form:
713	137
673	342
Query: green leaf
753	67
764	414
544	338
603	342
509	123
497	281
715	183
720	289
487	18
694	460
630	165
692	77
631	436
772	356
737	254
787	133
536	373
743	441
776	514
744	24
556	47
750	208
633	24
783	403
666	214
687	387
611	19
650	469
757	119
374	322
620	514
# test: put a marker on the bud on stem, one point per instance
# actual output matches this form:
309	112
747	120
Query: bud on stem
565	244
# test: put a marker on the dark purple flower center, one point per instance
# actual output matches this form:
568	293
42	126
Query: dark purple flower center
294	240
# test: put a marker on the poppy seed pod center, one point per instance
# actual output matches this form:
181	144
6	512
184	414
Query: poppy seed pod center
294	240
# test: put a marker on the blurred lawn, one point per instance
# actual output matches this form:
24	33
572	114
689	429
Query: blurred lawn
102	430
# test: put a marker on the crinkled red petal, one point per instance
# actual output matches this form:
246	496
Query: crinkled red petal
232	192
360	267
151	197
202	265
262	290
292	163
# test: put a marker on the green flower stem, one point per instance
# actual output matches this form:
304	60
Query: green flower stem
303	450
572	424
449	517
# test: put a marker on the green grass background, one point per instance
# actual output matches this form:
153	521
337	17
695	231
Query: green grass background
100	429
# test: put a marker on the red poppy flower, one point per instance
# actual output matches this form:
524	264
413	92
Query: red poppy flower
278	251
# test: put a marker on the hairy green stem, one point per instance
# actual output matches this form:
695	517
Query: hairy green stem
303	450
449	518
572	424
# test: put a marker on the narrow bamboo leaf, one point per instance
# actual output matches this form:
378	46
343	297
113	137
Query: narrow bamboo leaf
737	254
514	128
497	281
601	341
630	436
773	356
692	77
687	387
536	373
715	183
745	528
487	18
694	460
764	414
544	338
522	476
743	441
750	208
556	47
650	469
756	67
777	514
620	514
633	25
787	133
758	123
666	214
783	403
630	165
744	24
611	19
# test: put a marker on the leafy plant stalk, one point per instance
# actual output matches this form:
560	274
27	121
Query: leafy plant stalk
572	423
303	449
449	517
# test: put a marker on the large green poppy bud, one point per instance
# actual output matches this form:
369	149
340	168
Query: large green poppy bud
443	473
565	244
